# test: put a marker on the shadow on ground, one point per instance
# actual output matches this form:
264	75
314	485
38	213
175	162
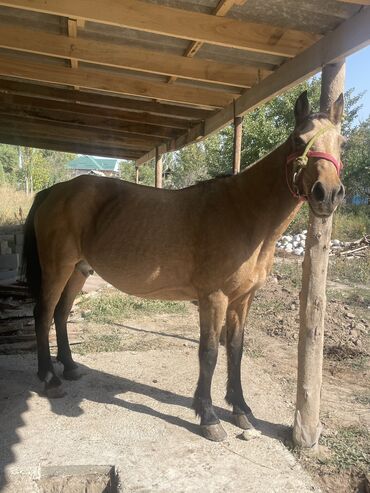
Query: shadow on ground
97	386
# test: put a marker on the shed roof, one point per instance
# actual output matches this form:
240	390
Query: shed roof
93	163
122	79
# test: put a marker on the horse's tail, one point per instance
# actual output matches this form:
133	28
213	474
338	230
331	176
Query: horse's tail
31	268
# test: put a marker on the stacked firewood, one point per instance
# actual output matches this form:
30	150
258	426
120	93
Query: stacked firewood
17	330
358	248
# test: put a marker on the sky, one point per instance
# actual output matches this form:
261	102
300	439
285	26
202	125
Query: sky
358	76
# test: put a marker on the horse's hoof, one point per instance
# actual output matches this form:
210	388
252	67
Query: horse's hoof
54	392
215	433
73	374
241	421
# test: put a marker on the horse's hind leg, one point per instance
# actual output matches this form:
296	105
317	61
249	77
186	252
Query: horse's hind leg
235	319
62	311
212	309
52	287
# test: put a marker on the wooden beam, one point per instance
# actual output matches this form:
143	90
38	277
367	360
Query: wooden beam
357	2
104	81
35	113
177	116
221	10
86	135
348	37
158	169
126	57
307	425
169	21
67	146
76	111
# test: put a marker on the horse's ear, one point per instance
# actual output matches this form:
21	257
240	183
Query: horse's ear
302	108
336	110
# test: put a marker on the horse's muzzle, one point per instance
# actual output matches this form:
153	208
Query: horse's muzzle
323	200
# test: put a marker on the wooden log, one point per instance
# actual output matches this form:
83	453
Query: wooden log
158	169
238	130
307	425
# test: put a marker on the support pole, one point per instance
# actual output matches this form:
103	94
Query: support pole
158	169
136	174
307	425
238	127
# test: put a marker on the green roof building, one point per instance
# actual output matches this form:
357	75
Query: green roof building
83	165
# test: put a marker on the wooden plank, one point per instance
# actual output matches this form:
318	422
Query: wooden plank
221	10
109	124
91	110
126	57
106	101
69	146
160	19
106	82
84	135
350	36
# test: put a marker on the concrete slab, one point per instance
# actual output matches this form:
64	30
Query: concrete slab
132	410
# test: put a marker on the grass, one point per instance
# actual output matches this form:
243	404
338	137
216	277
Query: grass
106	343
110	306
350	270
290	271
350	449
349	222
15	205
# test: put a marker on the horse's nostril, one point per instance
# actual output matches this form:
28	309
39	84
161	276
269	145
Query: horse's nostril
340	192
318	191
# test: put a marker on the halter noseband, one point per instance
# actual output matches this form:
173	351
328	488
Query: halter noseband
300	162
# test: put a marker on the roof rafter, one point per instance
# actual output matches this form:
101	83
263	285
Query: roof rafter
176	115
350	36
67	146
121	84
36	113
169	21
126	57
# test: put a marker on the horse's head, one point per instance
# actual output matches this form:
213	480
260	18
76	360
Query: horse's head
316	156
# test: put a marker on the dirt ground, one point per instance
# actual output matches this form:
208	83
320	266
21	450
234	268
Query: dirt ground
269	368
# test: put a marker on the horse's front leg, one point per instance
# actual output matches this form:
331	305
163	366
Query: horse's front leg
236	316
212	310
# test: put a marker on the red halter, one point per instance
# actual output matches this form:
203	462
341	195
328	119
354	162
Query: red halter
321	155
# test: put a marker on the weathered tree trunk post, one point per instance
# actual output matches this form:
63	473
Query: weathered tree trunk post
136	174
158	169
238	128
307	426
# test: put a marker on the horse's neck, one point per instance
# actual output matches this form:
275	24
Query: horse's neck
264	194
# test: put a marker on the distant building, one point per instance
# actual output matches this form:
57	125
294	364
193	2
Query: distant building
89	165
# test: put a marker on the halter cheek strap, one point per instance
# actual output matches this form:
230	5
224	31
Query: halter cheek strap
301	161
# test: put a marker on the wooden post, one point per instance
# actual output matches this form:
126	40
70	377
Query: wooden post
238	127
136	174
158	169
307	425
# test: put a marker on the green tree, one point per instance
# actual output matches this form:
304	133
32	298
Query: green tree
356	159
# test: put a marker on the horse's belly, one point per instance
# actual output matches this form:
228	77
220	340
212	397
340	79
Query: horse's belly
153	283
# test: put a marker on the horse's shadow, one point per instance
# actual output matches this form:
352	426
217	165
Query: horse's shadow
113	388
102	388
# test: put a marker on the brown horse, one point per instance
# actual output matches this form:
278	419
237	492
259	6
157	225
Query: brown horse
213	242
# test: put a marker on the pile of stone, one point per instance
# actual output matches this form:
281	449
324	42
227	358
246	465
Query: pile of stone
295	244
